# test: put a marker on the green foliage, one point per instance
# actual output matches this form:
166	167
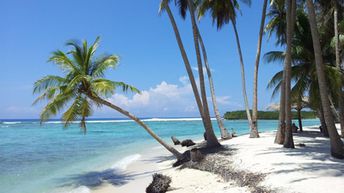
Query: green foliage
270	115
84	79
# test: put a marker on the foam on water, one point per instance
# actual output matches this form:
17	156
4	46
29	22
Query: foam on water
123	163
127	120
11	122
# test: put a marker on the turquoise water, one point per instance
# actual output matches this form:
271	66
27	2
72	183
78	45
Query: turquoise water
38	158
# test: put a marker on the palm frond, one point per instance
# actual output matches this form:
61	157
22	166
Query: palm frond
274	56
47	82
60	58
102	64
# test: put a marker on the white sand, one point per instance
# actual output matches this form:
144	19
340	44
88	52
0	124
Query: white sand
307	169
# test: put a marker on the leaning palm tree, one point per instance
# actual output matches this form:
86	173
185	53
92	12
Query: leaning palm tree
190	5
224	132
224	12
201	102
84	87
337	147
254	130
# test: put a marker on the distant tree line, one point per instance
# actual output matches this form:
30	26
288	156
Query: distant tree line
230	115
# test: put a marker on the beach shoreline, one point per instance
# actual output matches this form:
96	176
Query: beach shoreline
308	169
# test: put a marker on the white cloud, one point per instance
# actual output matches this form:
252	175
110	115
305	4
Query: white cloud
223	100
164	99
273	107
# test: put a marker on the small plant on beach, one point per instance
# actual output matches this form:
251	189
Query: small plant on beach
83	86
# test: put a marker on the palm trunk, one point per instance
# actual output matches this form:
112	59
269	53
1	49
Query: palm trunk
279	139
99	100
337	149
243	81
223	130
254	131
186	62
211	138
291	13
322	122
333	110
340	92
299	116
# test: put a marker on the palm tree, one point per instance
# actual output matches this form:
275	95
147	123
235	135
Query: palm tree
291	13
223	12
337	149
224	132
83	87
209	131
277	25
211	138
254	130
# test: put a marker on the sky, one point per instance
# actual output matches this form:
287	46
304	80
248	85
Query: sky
149	55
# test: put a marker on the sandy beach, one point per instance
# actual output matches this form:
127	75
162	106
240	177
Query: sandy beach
308	169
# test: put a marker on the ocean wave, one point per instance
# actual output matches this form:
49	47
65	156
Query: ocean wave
173	119
123	163
127	120
11	122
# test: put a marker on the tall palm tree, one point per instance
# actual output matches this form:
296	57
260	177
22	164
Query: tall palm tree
337	148
84	87
224	132
224	12
211	138
291	13
277	25
254	130
209	132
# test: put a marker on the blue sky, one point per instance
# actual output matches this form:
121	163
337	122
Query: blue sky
145	42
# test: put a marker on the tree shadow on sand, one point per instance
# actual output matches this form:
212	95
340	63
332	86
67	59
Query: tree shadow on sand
317	152
97	178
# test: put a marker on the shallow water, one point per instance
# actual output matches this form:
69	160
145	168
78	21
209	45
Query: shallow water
38	158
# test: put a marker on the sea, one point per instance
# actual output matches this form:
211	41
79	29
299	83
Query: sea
49	158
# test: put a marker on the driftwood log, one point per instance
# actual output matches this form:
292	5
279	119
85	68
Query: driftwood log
175	140
160	184
187	143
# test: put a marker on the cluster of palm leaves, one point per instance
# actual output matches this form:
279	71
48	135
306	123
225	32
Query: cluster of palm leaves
313	50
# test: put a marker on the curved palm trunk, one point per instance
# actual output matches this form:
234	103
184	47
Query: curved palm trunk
178	155
211	138
254	130
223	130
340	92
337	149
209	132
291	12
186	61
243	81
